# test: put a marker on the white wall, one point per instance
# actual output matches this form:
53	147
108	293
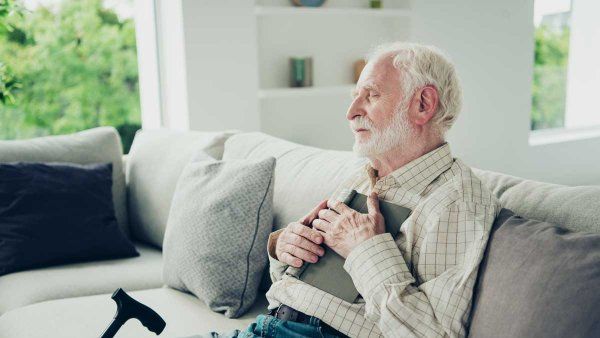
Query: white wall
161	64
174	90
148	64
491	43
583	85
222	76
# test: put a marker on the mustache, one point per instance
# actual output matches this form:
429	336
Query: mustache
361	123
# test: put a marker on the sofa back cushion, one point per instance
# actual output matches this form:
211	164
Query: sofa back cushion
575	208
98	145
154	164
303	175
537	279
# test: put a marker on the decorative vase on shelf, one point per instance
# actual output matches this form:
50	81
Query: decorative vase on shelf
375	3
358	67
308	3
301	72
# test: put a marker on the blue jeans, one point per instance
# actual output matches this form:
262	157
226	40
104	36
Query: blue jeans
273	327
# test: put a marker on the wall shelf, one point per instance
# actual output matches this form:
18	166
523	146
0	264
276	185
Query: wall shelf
335	36
342	90
280	10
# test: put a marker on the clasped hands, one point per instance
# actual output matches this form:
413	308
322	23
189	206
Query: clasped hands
332	223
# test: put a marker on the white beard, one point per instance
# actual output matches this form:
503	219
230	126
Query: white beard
398	132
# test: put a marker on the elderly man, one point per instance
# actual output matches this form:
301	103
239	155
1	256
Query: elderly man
421	283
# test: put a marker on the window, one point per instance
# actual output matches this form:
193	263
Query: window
552	23
566	74
74	63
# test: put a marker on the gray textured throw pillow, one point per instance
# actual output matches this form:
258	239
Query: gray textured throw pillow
537	280
215	245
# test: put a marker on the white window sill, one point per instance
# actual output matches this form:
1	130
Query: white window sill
559	135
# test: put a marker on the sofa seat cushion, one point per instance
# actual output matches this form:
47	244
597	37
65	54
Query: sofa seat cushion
184	314
81	279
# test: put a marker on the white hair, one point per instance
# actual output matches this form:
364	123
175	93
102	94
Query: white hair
422	65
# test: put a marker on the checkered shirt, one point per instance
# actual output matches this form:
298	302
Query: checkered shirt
421	284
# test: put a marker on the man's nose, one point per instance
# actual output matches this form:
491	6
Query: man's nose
355	109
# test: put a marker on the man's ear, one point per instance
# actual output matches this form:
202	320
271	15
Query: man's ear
428	100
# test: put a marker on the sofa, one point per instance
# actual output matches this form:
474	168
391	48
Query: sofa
74	300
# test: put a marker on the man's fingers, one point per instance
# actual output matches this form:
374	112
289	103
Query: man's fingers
326	237
298	252
338	206
287	258
373	204
307	232
328	215
322	225
306	220
304	243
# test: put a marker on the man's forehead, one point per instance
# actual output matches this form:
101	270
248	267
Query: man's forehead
377	74
377	82
369	84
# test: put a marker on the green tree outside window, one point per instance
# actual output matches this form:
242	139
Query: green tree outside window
549	78
70	68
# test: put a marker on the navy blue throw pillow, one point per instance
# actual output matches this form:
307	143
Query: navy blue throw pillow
57	213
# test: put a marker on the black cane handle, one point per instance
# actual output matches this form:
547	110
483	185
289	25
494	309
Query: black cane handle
128	308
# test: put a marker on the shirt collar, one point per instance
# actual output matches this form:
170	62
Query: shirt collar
417	174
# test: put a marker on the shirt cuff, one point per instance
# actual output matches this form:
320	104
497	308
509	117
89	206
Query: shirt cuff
374	262
275	266
272	241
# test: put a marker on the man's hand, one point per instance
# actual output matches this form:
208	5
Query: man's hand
298	242
344	228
